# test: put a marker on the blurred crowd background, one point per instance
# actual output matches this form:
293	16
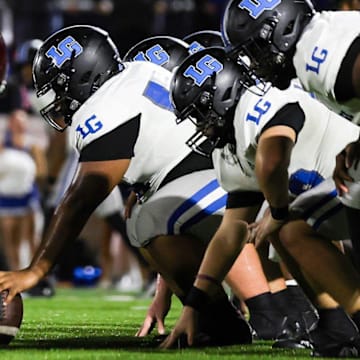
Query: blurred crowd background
128	21
100	256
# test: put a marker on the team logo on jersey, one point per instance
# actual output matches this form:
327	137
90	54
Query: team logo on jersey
257	7
91	126
318	57
64	51
260	108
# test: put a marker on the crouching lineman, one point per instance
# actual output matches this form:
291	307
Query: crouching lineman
280	146
170	212
287	39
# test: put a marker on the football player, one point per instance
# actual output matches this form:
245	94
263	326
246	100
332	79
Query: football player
286	39
274	271
280	146
121	122
247	282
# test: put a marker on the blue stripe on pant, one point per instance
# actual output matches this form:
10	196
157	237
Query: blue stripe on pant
328	213
192	201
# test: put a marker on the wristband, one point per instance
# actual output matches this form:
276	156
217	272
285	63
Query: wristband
208	278
196	298
279	213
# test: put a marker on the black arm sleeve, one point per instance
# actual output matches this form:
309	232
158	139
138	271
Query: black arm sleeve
290	115
117	144
238	199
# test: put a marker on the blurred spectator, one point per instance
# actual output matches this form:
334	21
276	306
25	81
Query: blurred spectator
19	92
6	22
349	5
34	19
22	135
19	198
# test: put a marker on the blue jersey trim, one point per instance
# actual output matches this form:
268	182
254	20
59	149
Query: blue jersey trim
158	95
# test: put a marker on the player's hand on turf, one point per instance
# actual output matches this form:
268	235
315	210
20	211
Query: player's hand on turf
261	229
186	325
17	281
156	314
350	156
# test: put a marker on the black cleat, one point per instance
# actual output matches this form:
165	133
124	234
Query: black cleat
224	325
331	343
294	334
265	325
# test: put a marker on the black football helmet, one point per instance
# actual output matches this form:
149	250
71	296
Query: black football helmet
166	51
69	67
203	39
267	32
206	88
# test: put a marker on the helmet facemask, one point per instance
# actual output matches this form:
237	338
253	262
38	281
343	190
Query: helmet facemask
214	124
267	62
60	106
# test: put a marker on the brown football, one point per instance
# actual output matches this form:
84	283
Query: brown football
10	317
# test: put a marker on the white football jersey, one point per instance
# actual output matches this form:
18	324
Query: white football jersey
320	52
141	88
323	135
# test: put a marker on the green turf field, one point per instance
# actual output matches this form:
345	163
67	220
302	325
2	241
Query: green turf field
100	324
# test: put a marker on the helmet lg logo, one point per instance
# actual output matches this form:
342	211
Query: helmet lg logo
156	54
203	70
64	51
257	7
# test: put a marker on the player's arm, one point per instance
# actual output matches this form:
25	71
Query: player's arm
225	247
92	184
219	257
272	160
102	165
347	87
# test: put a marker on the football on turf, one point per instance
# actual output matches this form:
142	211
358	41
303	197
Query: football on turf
10	317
